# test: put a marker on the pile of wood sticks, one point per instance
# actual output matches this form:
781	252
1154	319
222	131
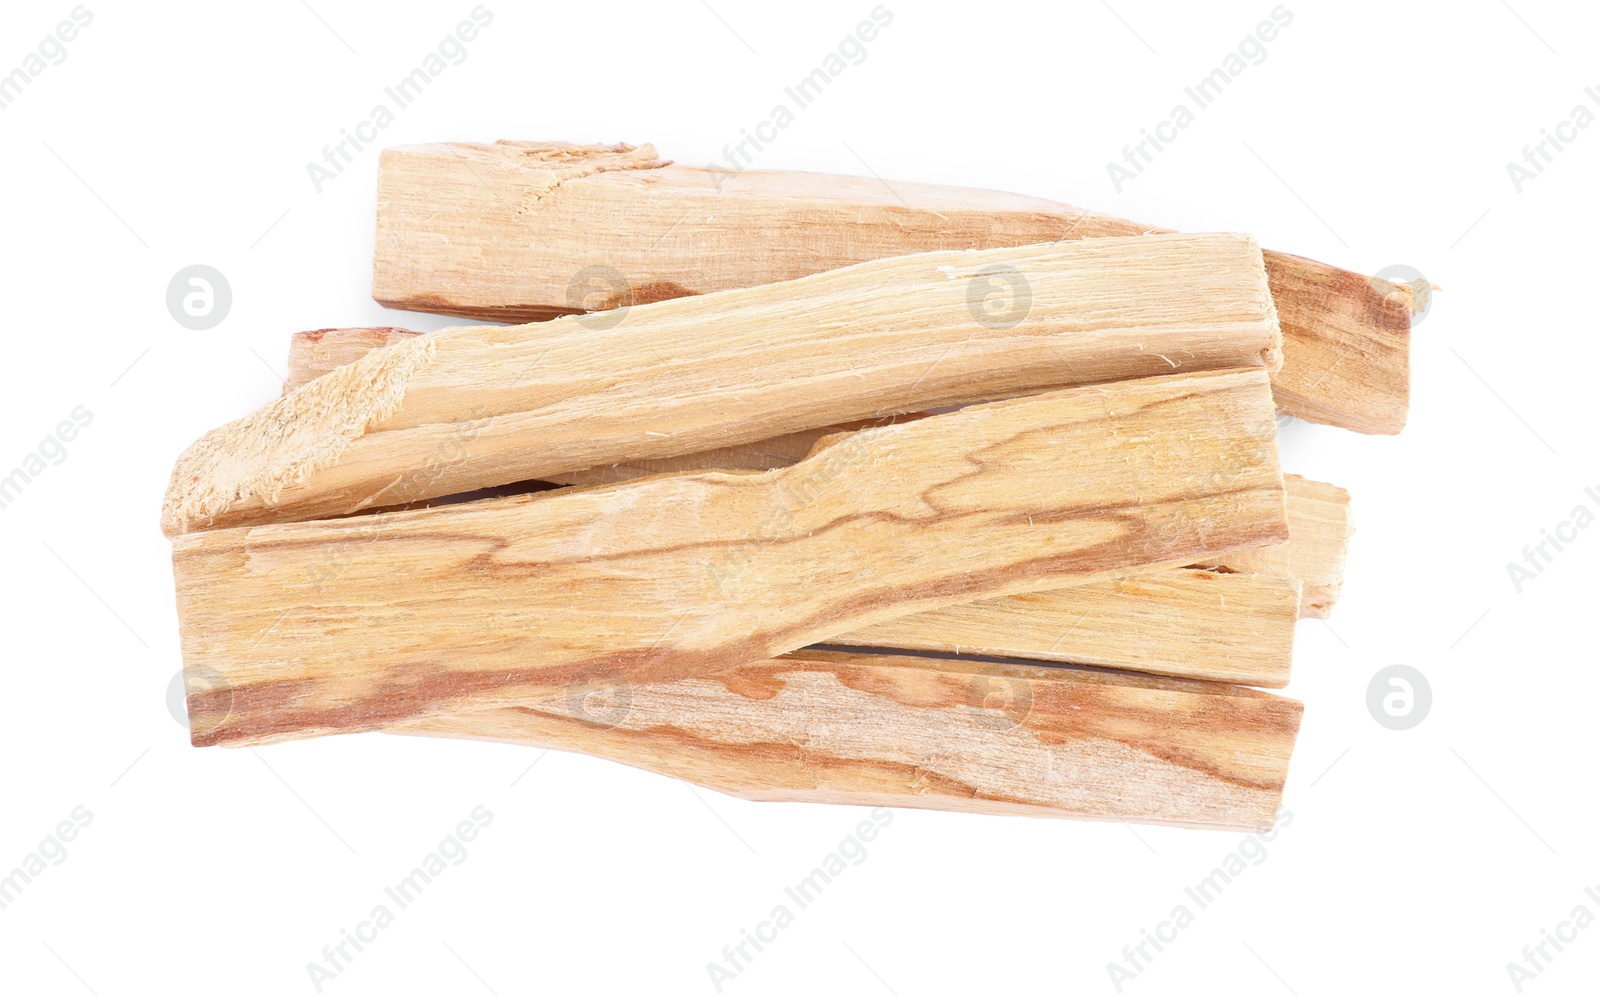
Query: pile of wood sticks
800	487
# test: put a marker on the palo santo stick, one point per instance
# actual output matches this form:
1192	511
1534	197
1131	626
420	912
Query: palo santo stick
875	730
522	231
1235	627
491	406
300	629
1319	514
312	354
1183	623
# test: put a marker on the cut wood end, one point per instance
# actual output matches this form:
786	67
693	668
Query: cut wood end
1415	294
1349	339
248	462
314	353
1323	510
1320	528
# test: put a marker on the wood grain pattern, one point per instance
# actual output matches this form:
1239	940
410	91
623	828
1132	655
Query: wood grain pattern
312	354
1204	625
469	408
1183	623
1320	525
1235	627
327	626
522	231
981	738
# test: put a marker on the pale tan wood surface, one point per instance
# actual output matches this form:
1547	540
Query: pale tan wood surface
1320	527
351	624
1183	623
469	408
954	735
528	230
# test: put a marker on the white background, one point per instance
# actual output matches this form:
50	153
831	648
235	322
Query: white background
1373	134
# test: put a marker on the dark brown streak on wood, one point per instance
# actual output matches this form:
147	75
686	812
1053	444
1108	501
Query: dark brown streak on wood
510	314
521	568
666	743
263	708
398	698
1056	708
1058	705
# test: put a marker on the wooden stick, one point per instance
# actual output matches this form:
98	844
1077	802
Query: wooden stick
312	354
874	730
1236	627
1193	624
1319	514
489	406
523	230
318	627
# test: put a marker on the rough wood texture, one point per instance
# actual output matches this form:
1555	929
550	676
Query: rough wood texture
1183	623
1319	514
525	231
312	354
983	738
1232	627
318	627
1320	528
468	408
